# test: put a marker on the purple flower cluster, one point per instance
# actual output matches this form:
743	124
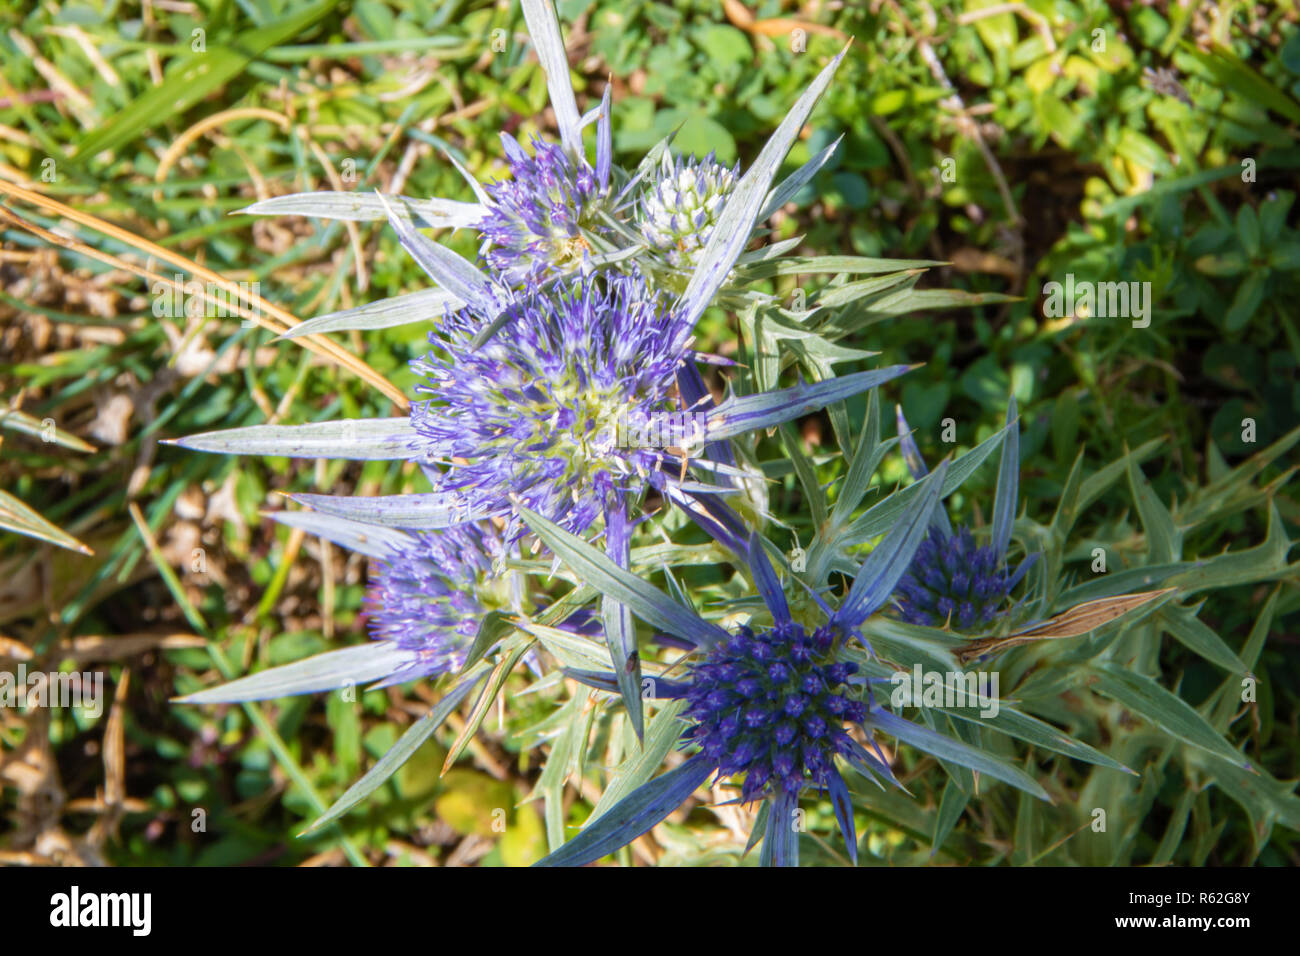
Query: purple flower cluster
534	225
953	582
538	415
427	596
771	705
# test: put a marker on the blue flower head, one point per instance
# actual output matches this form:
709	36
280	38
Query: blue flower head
544	411
428	596
954	582
770	703
430	593
535	222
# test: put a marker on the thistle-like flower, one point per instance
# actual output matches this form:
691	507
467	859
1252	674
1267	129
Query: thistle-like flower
429	592
769	703
681	205
547	412
429	595
953	581
536	220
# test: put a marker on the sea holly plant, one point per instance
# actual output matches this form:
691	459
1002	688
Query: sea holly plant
767	704
579	353
547	417
953	582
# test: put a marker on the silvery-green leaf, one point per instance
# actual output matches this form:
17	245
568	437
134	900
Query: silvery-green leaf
848	265
1004	504
781	837
781	326
375	541
766	582
843	804
918	300
740	212
480	193
454	273
1264	798
595	569
417	512
574	651
490	328
16	516
363	207
357	439
783	193
888	561
907	444
879	518
907	645
1015	723
491	629
348	667
604	139
1163	709
649	162
26	424
951	749
769	252
951	806
813	491
427	305
1194	633
757	832
1096	484
872	766
866	458
663	732
634	815
656	688
400	752
740	414
544	28
616	618
1227	485
720	522
1164	539
837	296
1127	581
